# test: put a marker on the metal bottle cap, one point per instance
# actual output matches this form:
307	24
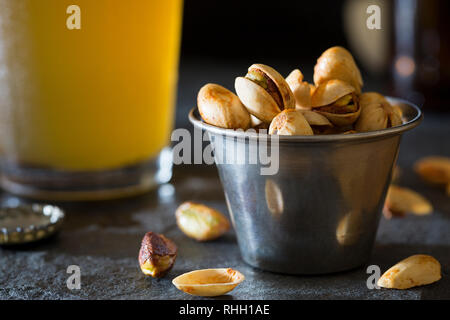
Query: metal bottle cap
25	223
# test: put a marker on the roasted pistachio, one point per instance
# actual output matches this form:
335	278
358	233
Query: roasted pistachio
264	92
209	282
337	63
157	255
401	200
301	89
337	101
416	270
434	169
290	122
220	107
318	122
200	222
376	113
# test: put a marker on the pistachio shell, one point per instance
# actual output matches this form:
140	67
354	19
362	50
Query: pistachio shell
259	101
200	222
337	63
330	91
220	107
300	89
376	113
256	99
416	270
343	119
208	282
368	98
434	169
290	122
402	200
315	118
283	87
373	117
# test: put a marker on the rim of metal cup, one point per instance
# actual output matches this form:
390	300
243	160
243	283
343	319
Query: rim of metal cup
408	108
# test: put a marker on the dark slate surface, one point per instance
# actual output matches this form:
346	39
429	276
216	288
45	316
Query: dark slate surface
104	238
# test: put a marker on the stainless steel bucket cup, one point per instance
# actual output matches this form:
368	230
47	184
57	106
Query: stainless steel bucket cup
319	212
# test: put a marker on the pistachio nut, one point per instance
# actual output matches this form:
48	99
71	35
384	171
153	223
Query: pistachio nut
290	122
208	282
157	255
220	107
200	222
301	89
337	63
264	92
434	169
337	101
401	200
416	270
376	113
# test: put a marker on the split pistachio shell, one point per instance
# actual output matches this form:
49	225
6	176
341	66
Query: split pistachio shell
264	92
416	270
290	122
434	169
209	282
316	119
402	200
337	63
200	222
301	89
328	95
330	91
220	107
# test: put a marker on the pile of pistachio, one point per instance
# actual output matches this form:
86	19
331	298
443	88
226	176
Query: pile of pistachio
333	104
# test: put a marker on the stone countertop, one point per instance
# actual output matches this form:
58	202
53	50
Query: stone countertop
103	239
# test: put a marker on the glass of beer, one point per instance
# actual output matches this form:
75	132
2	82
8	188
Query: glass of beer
87	94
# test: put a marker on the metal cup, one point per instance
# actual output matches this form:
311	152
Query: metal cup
319	212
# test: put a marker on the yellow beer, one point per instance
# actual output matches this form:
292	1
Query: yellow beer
95	98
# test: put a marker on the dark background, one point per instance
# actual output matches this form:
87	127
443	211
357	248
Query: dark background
221	39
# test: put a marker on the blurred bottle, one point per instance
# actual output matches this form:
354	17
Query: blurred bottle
421	52
410	55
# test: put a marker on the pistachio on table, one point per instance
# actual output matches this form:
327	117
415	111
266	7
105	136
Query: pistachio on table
200	222
434	169
416	270
337	101
220	107
337	63
264	92
208	282
290	122
376	113
157	255
400	201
